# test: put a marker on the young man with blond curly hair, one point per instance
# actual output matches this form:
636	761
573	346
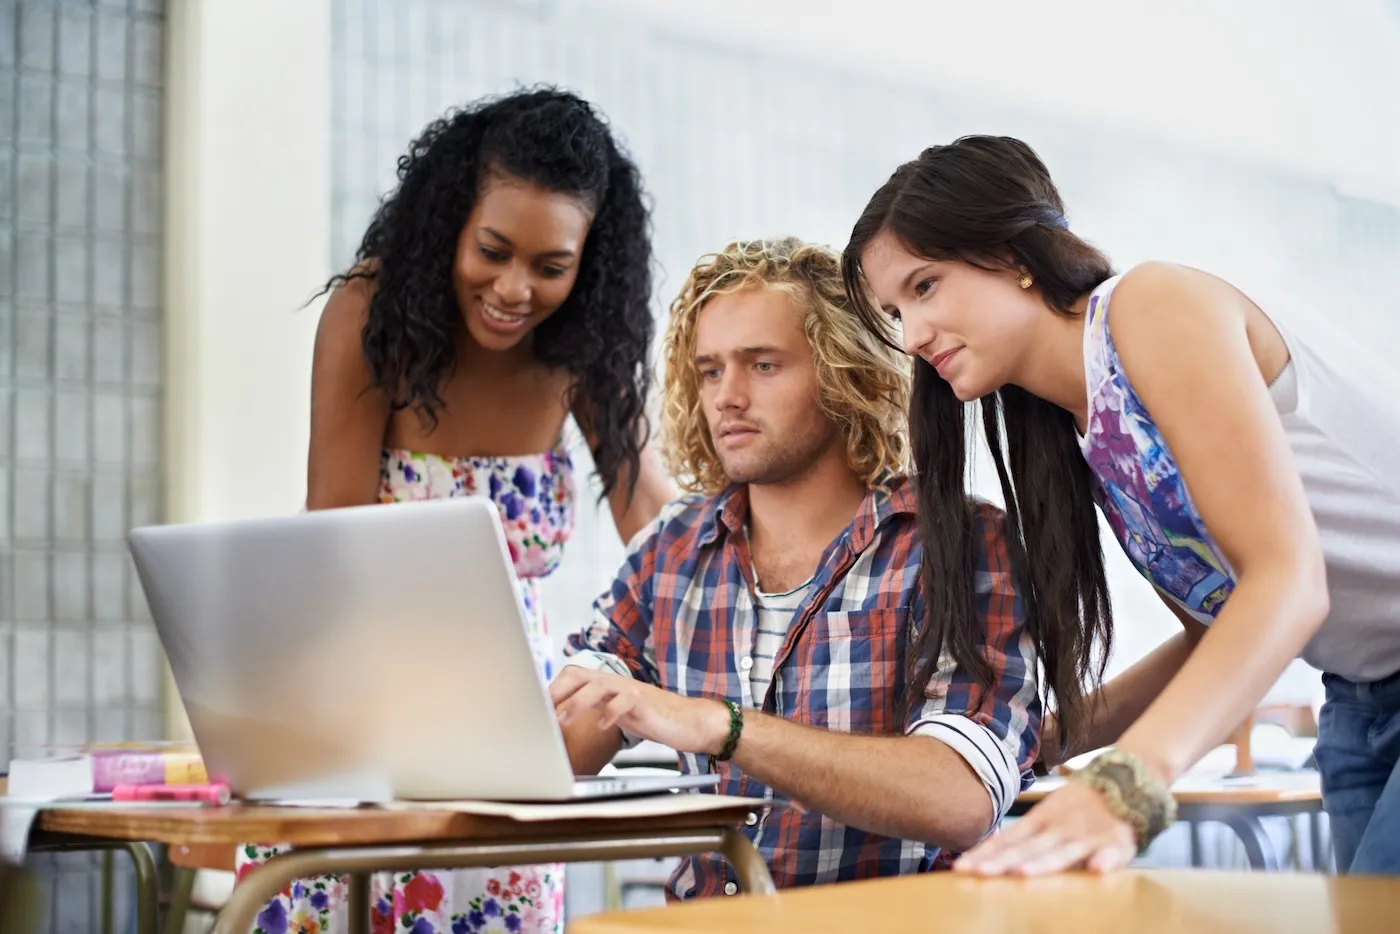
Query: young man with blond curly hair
762	626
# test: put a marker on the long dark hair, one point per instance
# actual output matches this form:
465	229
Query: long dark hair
600	335
990	201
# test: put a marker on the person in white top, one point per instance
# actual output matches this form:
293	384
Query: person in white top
1249	471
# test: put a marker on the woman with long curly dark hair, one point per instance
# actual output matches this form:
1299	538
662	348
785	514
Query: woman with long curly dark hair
504	286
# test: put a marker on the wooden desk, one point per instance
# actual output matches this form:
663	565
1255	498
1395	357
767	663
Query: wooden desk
359	842
1175	902
1262	789
1237	803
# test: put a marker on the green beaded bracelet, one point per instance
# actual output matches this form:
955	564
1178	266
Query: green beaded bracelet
736	726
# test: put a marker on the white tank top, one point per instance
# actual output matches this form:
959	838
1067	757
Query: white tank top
1341	413
1340	409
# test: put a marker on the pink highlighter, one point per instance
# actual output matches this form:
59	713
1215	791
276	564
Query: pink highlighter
216	793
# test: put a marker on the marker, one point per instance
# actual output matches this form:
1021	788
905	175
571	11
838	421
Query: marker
216	793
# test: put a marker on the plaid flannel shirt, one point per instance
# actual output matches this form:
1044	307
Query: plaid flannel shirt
668	620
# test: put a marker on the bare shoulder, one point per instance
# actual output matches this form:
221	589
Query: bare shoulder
343	318
348	416
347	307
1173	292
1156	284
340	370
1165	307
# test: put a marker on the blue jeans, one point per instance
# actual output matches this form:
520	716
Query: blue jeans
1358	754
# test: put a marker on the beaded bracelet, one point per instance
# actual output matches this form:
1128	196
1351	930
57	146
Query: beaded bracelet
1131	793
736	726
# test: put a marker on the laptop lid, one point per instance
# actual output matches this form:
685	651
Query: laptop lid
364	652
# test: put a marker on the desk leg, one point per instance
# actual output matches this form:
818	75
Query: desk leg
1257	845
147	882
357	902
147	887
252	893
108	891
182	893
748	864
1320	862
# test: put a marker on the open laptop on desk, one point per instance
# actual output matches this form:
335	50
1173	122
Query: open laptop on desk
367	653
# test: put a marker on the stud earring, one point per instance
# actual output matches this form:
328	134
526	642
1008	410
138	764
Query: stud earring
1025	280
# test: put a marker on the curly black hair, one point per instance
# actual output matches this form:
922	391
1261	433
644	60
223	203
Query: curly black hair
602	332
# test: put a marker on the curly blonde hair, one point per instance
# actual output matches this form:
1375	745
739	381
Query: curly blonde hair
864	384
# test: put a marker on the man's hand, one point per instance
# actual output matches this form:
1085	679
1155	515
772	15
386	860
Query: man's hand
686	724
909	787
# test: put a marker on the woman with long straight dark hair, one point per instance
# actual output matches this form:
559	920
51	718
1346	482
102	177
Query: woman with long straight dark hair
1247	471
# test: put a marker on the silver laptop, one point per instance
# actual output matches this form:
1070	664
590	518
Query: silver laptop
368	653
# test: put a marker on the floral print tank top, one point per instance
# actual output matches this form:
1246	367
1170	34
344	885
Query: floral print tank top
1137	483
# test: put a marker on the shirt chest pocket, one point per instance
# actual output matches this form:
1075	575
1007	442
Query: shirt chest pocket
851	669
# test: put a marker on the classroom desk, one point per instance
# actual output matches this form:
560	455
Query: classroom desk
1237	803
1158	902
362	841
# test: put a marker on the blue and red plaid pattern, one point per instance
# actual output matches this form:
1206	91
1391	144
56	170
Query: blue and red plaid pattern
669	617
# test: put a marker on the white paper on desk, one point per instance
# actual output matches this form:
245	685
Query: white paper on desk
1284	752
648	752
17	817
14	832
52	778
615	809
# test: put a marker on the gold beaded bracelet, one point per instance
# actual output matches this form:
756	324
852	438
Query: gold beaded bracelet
1131	793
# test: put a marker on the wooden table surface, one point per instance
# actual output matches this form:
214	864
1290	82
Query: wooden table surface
316	827
1155	902
1264	788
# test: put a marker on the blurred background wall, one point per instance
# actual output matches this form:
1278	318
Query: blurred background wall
1260	141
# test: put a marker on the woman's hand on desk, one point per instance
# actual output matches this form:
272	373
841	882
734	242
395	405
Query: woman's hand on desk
686	724
1072	828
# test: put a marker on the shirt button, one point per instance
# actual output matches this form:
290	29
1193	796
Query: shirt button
730	888
751	819
746	663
